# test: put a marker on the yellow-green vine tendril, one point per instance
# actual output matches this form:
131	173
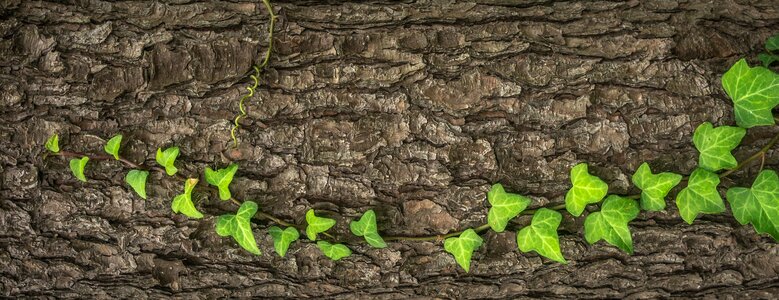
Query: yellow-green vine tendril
256	75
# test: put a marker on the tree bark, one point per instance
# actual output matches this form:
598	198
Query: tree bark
412	109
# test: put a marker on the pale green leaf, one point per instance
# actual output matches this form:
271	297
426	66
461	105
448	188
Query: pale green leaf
183	202
541	235
137	180
239	227
316	224
587	189
754	92
226	225
112	147
283	238
334	251
715	144
611	223
700	196
758	205
52	144
503	207
167	159
221	178
77	167
367	228
462	247
654	187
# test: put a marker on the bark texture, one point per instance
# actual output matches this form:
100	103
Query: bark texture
412	109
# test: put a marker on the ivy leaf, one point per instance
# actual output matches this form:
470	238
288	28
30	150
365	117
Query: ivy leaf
700	196
715	144
282	238
758	205
367	228
167	158
112	147
183	202
239	227
316	224
754	91
334	251
611	223
503	207
772	43
221	178
137	180
53	144
77	167
767	59
541	235
654	187
462	247
587	189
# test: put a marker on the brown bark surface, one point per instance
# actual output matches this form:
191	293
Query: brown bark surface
412	109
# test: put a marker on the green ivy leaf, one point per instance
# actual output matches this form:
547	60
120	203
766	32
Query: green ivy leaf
541	235
77	167
654	187
367	228
316	224
700	196
239	227
715	144
282	238
53	143
112	147
758	205
503	207
772	43
587	189
183	202
611	223
221	178
167	158
767	59
462	247
754	92
334	251
137	180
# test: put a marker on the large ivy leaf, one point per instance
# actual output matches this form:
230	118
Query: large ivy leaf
77	167
112	147
183	202
167	158
758	205
503	207
754	91
611	223
334	251
282	238
366	228
316	224
53	143
462	247
137	180
221	179
715	144
700	196
654	187
239	227
541	235
587	189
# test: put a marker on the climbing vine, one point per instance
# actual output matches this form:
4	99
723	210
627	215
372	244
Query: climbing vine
754	92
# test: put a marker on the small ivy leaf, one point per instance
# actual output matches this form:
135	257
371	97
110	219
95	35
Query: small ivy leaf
183	202
654	187
462	247
700	196
221	178
316	224
541	235
767	59
282	238
137	180
758	205
112	147
77	167
367	228
53	144
715	144
334	251
225	225
611	223
167	158
587	189
503	207
239	227
754	92
772	43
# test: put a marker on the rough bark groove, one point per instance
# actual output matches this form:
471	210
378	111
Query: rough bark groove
412	109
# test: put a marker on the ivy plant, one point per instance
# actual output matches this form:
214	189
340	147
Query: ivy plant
366	228
183	202
239	227
715	144
167	158
587	189
771	46
700	196
334	251
316	224
654	187
282	238
503	207
611	223
754	91
758	205
112	147
137	180
462	247
77	167
222	178
53	143
541	235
